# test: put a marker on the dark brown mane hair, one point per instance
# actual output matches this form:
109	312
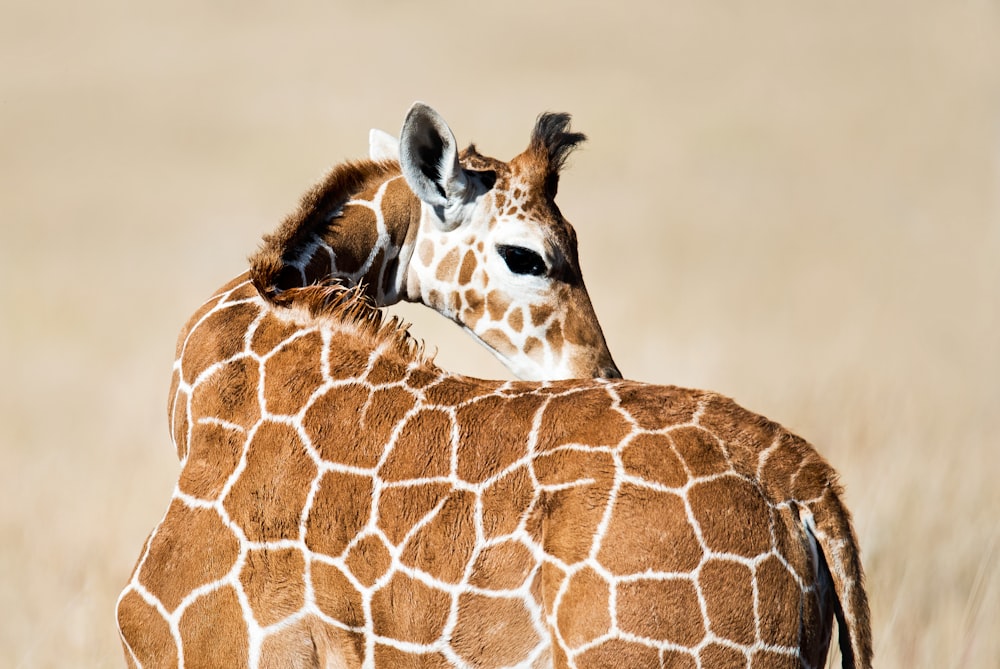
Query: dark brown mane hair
351	307
330	300
308	220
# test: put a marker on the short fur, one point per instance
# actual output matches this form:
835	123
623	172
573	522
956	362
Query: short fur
348	503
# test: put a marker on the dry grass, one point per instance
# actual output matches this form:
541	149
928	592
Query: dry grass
799	207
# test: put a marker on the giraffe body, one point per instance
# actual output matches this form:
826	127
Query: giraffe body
344	503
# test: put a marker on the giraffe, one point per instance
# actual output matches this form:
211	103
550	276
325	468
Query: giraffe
479	240
343	502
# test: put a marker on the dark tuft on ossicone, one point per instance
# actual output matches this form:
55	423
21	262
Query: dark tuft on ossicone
551	135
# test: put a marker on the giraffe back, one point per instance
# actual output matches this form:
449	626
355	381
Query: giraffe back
343	502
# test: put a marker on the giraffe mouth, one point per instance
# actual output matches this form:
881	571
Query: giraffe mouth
610	372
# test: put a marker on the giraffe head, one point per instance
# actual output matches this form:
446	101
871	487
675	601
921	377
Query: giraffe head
494	253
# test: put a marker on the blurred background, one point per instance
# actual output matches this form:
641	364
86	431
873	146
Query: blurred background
794	204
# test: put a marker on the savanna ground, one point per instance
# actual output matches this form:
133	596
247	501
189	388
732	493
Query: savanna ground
795	204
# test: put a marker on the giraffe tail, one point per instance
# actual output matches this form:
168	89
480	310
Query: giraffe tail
829	522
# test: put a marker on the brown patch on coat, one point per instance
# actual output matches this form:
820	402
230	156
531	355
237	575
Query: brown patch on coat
354	235
814	479
474	308
292	373
213	631
744	433
733	515
493	631
369	560
386	370
216	455
447	267
147	633
444	546
291	647
539	313
649	530
421	378
338	647
673	406
781	605
781	464
423	448
575	467
700	451
766	659
618	653
349	359
267	500
453	390
723	657
516	320
676	659
500	342
506	503
585	418
503	566
791	542
230	394
497	305
175	565
399	204
651	458
371	280
493	434
729	599
400	509
272	581
350	425
425	252
340	509
467	268
580	326
272	332
427	610
178	417
662	609
534	349
565	521
219	337
584	610
335	594
554	337
388	656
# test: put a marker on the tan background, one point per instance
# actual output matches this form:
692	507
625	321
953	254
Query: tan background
796	204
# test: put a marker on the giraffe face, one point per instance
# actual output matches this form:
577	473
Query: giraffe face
494	253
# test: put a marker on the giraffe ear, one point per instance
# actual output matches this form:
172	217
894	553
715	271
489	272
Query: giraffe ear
428	155
382	145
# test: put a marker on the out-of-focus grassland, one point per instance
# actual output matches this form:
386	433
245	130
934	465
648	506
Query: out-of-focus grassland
796	204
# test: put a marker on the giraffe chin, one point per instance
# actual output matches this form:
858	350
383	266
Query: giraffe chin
586	364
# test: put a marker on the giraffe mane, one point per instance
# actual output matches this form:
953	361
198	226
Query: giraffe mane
348	307
310	218
329	300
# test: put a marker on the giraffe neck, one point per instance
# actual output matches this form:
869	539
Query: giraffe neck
358	226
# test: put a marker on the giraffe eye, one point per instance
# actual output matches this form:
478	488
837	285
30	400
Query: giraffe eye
521	260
